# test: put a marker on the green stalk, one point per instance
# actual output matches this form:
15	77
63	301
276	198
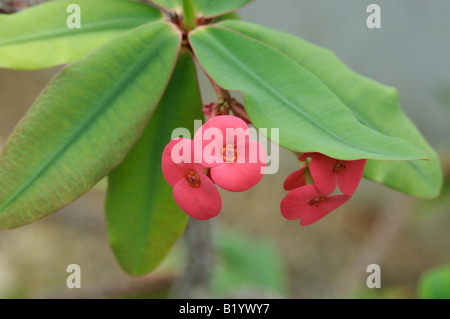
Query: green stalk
189	14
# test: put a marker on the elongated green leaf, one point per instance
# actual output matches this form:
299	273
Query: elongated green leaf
228	16
375	105
84	123
212	8
279	93
143	220
39	37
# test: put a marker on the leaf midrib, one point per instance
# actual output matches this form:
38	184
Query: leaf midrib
90	27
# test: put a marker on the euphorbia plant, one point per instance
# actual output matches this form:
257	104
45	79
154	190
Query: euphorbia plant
131	80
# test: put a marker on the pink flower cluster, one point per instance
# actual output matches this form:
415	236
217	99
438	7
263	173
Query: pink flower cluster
314	201
221	154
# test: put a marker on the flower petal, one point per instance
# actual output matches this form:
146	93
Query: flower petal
201	203
350	177
324	177
294	205
313	213
295	179
173	172
216	133
304	156
246	172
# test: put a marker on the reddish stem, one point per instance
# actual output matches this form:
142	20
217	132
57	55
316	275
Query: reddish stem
240	111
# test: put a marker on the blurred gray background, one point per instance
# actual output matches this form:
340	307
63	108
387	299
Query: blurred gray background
403	235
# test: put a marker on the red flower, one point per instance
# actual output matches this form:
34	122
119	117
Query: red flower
309	204
222	143
193	191
328	173
295	179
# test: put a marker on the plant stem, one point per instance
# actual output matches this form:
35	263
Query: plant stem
240	111
194	282
189	14
222	94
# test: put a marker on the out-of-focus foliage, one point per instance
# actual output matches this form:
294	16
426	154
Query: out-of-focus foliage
247	264
435	283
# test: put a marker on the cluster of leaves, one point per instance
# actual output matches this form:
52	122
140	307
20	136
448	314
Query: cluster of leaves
131	80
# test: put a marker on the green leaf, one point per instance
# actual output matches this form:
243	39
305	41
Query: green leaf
39	37
171	5
435	283
213	8
188	14
84	123
279	93
205	8
244	262
228	16
375	105
143	220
